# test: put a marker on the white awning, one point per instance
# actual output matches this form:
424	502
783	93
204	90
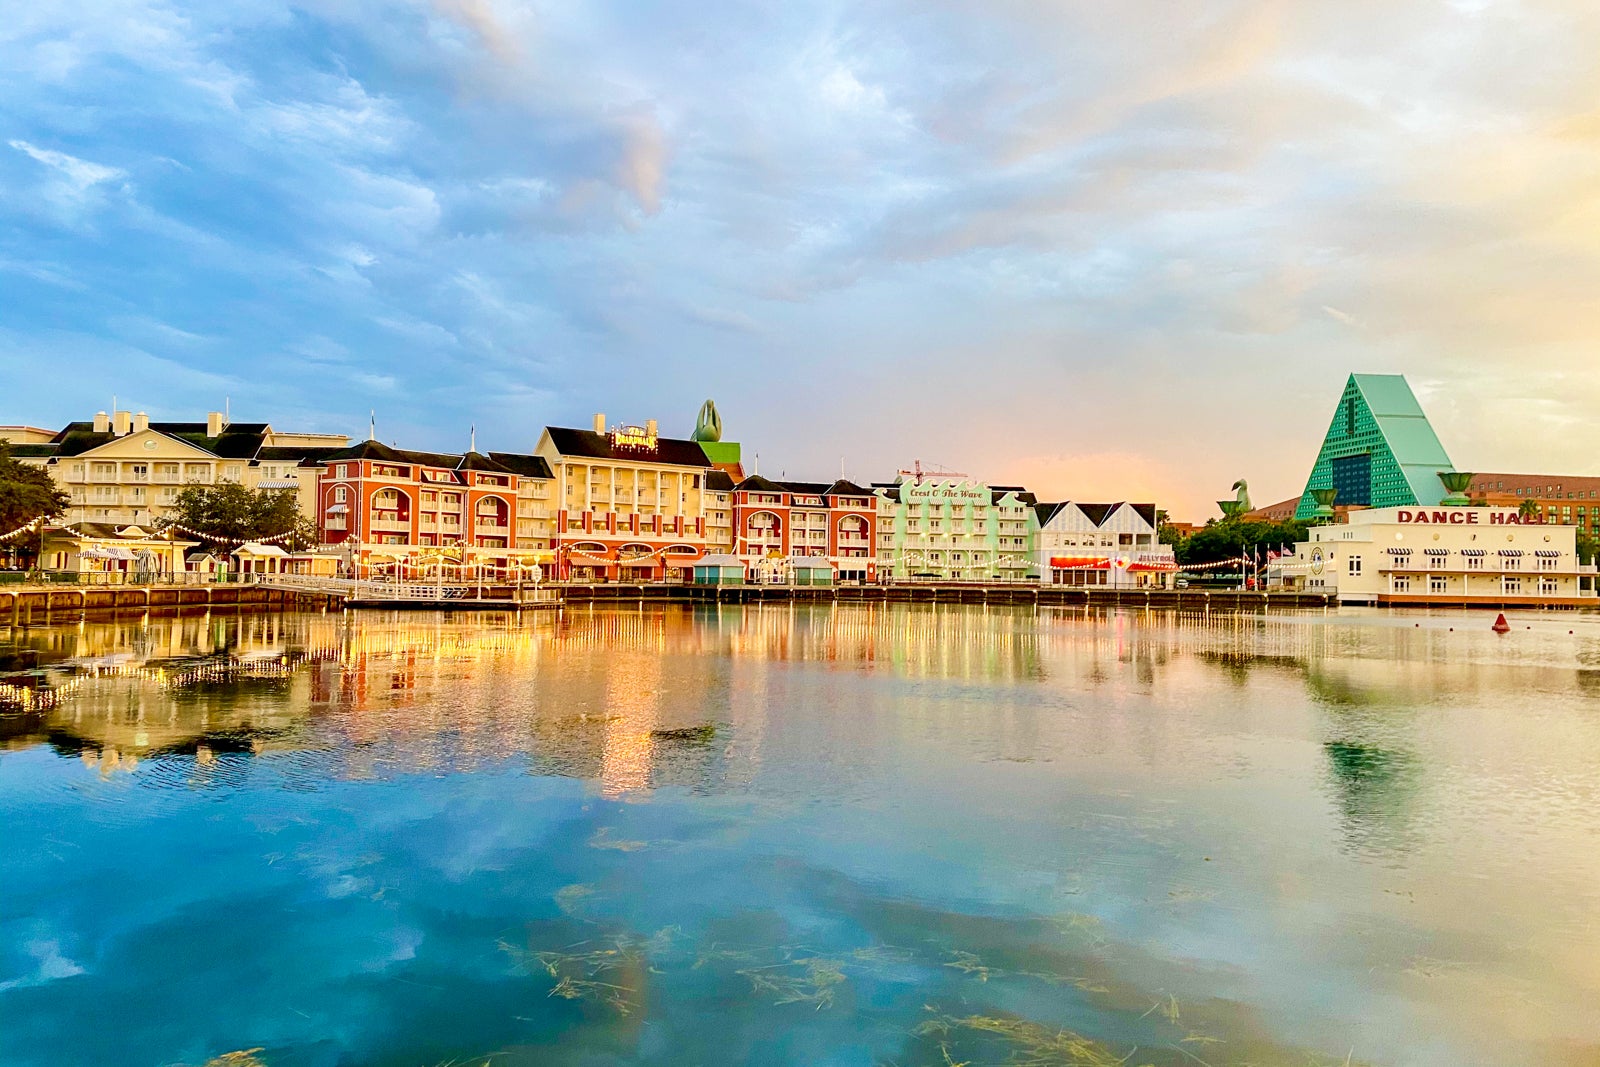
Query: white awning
337	509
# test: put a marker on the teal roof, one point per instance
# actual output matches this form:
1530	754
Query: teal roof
1378	416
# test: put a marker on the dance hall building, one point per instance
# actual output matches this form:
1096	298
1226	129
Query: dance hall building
1446	556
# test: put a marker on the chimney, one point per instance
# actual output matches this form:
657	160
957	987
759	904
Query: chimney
650	427
215	423
102	422
599	423
141	422
122	422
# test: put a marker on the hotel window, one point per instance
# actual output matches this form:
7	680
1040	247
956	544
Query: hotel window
1547	586
1474	563
167	472
77	472
1548	563
1402	583
1436	562
105	470
1353	565
341	471
340	494
1511	563
1436	583
141	472
1512	584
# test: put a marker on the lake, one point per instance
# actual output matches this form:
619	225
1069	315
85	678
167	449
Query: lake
801	834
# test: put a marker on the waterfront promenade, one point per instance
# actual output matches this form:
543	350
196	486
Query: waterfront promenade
280	592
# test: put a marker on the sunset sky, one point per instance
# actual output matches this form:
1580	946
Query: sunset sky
1109	250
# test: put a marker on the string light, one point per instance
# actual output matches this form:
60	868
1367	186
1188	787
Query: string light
24	528
168	524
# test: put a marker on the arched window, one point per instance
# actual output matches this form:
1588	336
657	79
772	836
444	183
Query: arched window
340	494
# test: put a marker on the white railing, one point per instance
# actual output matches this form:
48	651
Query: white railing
380	589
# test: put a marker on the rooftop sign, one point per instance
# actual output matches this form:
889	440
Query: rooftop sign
1465	517
633	439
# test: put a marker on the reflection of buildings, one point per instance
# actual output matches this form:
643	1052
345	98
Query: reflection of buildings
726	697
1376	788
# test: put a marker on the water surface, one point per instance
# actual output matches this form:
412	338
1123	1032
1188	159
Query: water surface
876	834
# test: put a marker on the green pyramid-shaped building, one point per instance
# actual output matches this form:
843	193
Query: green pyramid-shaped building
1380	450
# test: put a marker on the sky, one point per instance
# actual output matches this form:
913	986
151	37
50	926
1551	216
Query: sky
1108	251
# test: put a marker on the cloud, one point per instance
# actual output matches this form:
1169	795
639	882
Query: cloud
478	16
79	174
1090	245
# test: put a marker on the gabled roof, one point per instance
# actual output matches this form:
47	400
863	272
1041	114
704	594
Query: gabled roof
1147	512
719	481
757	484
369	449
232	443
1046	512
1096	513
477	461
806	488
1021	492
525	465
843	487
304	455
92	529
588	444
32	451
237	441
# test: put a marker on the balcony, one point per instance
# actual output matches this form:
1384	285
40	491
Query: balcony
389	524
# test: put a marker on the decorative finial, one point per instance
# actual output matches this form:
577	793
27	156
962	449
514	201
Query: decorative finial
708	427
1240	502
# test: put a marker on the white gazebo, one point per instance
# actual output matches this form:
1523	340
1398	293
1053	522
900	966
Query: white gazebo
253	557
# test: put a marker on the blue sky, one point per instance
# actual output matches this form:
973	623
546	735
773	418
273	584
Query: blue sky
1110	250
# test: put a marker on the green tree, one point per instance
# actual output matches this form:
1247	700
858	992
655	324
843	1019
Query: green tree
1230	538
228	514
26	492
1586	547
1529	509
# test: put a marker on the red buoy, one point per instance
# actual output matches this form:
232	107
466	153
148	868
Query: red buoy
1500	625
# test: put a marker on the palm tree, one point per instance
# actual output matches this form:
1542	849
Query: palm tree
1528	509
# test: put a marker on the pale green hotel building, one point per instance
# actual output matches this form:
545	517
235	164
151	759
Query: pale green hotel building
954	528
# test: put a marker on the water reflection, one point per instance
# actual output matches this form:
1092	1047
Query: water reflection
800	834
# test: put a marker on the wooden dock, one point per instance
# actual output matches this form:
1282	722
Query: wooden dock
27	604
